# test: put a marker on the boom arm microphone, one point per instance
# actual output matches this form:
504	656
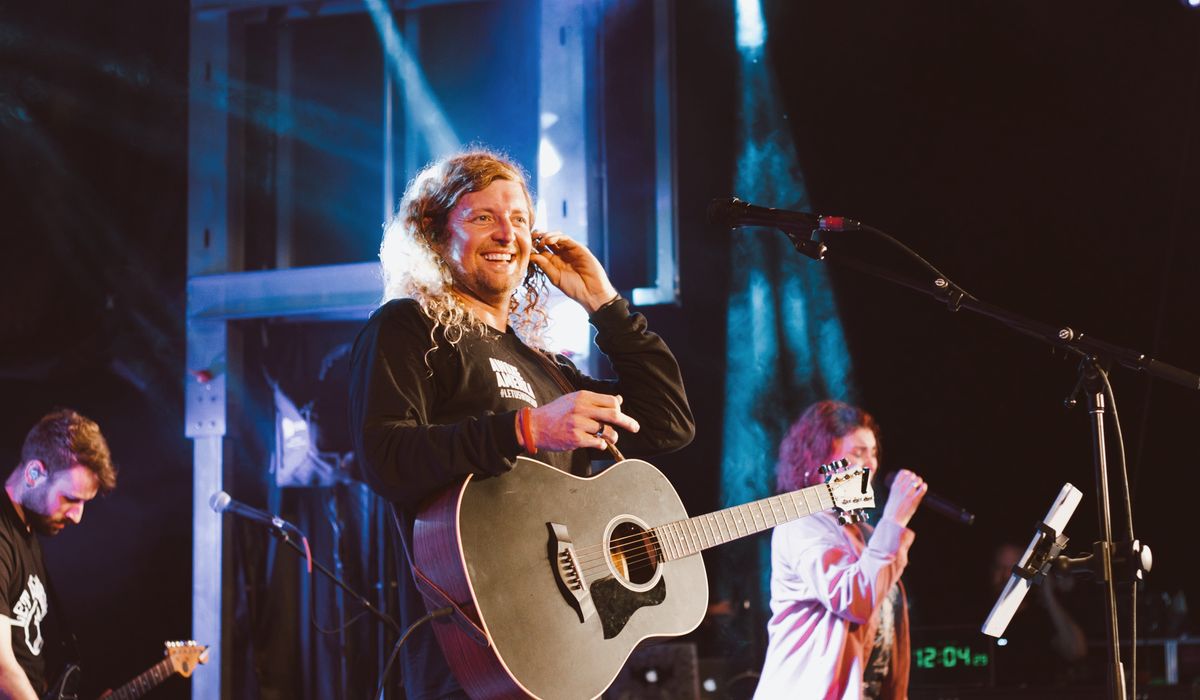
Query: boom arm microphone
222	502
734	212
943	506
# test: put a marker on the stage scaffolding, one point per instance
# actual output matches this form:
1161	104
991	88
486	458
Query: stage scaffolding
224	289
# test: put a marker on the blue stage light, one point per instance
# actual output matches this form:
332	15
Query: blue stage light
784	339
751	28
432	123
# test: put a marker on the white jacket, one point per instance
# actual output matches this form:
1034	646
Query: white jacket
827	587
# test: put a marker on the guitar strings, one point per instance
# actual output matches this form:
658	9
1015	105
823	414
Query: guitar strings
592	551
691	538
596	562
762	512
595	559
724	530
588	556
595	568
653	546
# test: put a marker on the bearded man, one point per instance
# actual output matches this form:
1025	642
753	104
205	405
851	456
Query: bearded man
451	376
65	463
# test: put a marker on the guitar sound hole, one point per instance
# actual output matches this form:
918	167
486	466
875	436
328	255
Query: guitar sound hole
634	552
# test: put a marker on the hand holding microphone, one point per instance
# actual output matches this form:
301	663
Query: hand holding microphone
907	490
940	505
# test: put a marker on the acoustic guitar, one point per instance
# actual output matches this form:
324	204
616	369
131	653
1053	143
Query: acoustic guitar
556	579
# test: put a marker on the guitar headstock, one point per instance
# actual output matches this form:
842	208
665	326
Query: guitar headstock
850	489
183	657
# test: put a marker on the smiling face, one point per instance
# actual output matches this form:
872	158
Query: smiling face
58	499
487	242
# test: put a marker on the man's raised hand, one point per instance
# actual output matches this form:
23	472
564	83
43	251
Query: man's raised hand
571	267
579	419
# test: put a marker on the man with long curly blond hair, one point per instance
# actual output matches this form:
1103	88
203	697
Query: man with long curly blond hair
413	265
450	376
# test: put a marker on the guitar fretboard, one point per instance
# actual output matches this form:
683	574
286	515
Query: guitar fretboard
141	685
683	538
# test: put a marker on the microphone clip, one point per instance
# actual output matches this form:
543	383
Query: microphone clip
949	292
809	246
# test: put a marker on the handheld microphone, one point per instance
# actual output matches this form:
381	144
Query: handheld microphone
942	506
222	502
734	212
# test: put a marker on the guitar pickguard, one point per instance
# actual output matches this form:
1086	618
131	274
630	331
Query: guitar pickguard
616	603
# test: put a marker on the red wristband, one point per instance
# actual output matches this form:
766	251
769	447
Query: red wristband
524	420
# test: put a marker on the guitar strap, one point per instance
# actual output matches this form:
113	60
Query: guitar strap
68	643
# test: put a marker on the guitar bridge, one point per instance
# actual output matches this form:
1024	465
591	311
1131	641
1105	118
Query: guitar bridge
567	572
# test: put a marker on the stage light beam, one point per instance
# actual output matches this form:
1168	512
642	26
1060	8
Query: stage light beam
404	69
751	27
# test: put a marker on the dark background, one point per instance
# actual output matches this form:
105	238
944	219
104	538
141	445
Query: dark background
1043	155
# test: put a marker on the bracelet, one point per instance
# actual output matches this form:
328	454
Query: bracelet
524	420
608	303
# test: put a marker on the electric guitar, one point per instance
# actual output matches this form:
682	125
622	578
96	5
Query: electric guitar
180	657
556	579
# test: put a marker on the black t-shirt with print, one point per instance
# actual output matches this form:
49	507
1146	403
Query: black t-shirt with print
423	420
22	583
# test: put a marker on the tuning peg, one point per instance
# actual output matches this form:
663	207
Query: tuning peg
843	519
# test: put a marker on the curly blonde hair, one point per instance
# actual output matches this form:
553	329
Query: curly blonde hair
414	268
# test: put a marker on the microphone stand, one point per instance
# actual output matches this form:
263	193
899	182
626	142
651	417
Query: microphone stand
281	533
1091	379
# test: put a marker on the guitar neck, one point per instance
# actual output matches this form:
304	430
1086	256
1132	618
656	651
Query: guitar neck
684	538
144	683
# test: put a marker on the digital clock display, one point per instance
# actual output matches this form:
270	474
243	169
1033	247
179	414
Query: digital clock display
957	656
950	656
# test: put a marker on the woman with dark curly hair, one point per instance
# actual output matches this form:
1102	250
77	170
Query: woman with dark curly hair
839	626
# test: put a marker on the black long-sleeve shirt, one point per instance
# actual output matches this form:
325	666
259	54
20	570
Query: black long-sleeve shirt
424	420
